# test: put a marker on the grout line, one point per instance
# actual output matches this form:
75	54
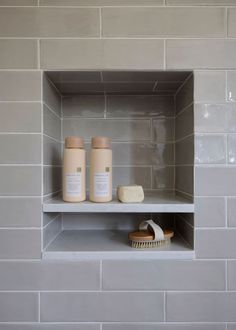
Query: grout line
51	110
100	22
100	274
39	311
226	275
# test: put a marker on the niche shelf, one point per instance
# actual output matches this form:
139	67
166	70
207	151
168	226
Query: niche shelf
153	203
149	117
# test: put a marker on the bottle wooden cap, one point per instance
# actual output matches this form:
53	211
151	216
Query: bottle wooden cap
74	142
101	142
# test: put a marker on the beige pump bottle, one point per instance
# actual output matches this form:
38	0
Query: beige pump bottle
74	169
101	170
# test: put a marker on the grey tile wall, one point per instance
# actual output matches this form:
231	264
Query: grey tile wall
213	49
18	53
125	306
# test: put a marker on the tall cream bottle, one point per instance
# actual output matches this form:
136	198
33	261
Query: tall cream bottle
74	170
101	170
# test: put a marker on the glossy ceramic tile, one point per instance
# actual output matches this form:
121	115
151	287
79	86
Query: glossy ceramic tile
211	149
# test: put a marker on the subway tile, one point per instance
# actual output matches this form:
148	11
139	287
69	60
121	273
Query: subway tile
147	76
144	22
19	307
215	118
51	124
184	179
201	307
20	86
51	179
231	22
20	212
163	130
184	96
100	2
125	306
20	180
49	22
20	149
18	3
163	177
102	221
51	151
84	106
43	275
231	83
130	54
132	175
184	151
215	243
231	211
106	54
48	217
118	130
163	275
143	154
231	148
192	54
201	2
231	326
184	123
20	244
18	54
231	271
210	149
183	326
52	230
140	106
27	117
210	212
215	181
62	326
209	86
51	96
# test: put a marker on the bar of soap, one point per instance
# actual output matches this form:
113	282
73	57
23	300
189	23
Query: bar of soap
130	194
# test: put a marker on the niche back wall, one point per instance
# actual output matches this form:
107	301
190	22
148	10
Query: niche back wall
43	35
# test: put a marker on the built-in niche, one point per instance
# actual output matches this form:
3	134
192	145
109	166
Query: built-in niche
149	117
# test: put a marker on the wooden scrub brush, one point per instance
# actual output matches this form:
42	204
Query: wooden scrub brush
150	235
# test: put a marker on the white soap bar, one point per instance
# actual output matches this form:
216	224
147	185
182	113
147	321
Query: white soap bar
130	194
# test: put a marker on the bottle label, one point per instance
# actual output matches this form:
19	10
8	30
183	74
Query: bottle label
73	184
101	184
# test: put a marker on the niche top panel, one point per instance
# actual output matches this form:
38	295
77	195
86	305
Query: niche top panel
118	82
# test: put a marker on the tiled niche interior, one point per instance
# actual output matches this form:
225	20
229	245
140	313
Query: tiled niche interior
149	117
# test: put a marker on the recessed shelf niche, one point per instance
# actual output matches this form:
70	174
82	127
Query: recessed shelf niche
149	117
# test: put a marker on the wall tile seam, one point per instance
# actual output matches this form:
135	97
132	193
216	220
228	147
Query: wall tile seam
185	137
52	138
185	109
51	221
44	247
164	37
48	108
155	118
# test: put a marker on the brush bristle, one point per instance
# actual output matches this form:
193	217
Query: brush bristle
150	244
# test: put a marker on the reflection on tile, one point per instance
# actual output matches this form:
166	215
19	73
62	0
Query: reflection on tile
132	175
163	177
121	130
140	106
83	106
210	149
215	118
231	147
231	86
163	130
143	154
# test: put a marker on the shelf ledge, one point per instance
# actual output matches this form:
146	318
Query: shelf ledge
153	202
